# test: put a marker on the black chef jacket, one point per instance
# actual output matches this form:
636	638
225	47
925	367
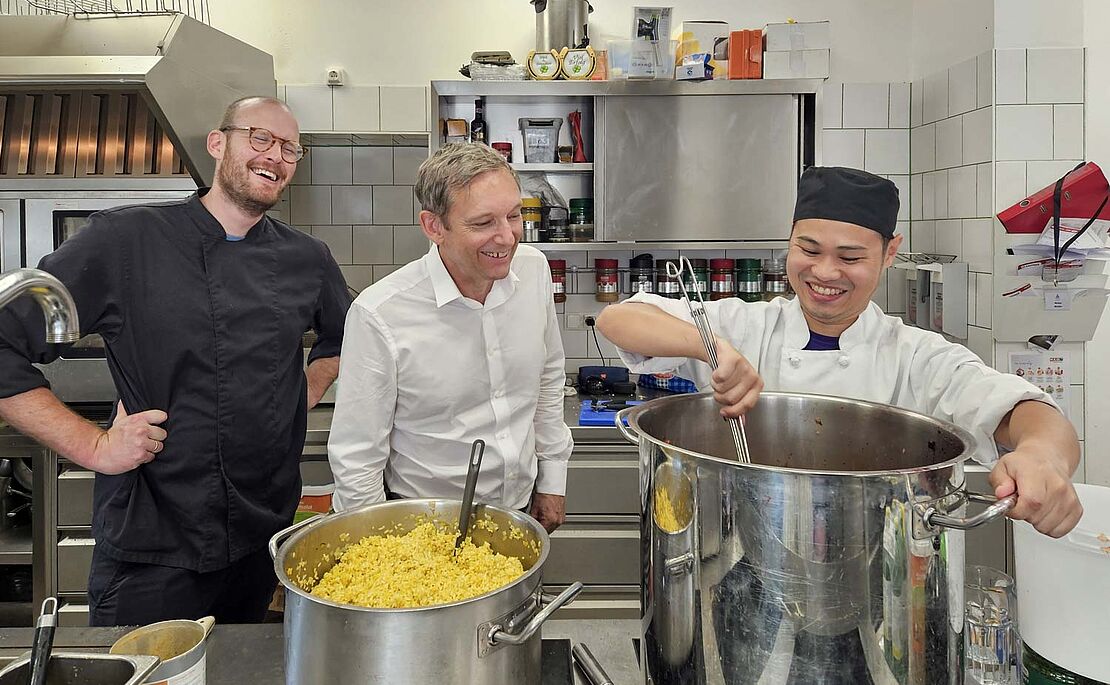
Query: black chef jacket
209	331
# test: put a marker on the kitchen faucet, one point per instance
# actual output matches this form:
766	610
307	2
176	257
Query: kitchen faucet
56	302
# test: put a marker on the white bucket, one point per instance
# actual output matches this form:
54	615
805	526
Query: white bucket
1063	588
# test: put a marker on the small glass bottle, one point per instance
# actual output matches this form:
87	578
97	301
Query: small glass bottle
558	279
532	219
478	125
749	280
558	231
608	280
721	284
582	219
666	285
641	274
775	283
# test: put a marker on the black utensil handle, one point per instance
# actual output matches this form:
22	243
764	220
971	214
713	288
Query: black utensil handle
476	452
40	654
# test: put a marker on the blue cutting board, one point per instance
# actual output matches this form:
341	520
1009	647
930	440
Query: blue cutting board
588	417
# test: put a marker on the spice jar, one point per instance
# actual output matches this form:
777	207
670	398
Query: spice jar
641	274
701	278
774	278
558	279
665	284
558	231
721	283
608	282
506	150
749	280
531	218
582	219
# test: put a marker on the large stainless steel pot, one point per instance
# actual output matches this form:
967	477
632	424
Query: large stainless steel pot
837	557
493	638
562	24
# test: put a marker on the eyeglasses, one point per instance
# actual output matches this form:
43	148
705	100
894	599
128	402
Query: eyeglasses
262	140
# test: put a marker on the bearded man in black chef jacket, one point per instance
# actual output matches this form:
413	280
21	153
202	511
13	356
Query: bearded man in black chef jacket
202	304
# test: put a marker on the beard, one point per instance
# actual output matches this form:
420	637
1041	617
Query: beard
235	181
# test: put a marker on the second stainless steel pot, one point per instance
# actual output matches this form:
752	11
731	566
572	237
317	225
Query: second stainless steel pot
492	639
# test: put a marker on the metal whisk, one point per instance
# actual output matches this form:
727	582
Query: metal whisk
701	322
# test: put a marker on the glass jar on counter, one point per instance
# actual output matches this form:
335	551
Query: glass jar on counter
749	280
558	279
582	219
665	284
608	280
641	274
558	230
532	219
775	283
721	283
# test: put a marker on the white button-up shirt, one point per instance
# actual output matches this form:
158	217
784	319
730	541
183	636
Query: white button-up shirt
880	360
425	371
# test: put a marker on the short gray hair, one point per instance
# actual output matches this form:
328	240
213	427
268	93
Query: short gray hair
453	168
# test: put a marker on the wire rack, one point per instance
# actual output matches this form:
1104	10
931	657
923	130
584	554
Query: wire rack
197	9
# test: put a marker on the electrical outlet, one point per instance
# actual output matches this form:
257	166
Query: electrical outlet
576	322
335	76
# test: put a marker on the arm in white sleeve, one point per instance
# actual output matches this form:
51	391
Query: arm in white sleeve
553	440
365	403
638	361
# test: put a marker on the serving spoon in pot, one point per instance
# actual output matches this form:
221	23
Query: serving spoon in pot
466	513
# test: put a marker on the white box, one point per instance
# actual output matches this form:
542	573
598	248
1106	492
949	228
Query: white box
693	72
812	35
796	64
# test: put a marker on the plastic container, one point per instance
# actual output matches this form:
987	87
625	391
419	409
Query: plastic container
749	280
641	59
532	217
541	139
608	281
558	279
641	274
721	278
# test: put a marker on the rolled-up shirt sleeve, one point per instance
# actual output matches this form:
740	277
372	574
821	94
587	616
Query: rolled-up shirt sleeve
553	440
331	310
365	405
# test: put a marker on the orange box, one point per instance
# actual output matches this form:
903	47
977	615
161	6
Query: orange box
745	52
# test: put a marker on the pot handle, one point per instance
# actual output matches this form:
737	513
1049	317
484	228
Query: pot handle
498	635
932	518
619	421
280	536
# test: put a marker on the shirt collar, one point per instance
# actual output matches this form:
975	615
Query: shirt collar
446	291
797	328
208	224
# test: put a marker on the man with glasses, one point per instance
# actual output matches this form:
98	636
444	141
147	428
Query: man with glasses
202	304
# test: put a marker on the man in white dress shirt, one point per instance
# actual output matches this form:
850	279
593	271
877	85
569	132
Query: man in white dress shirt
831	339
459	345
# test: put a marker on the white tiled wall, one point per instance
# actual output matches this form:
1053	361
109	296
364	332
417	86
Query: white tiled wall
351	109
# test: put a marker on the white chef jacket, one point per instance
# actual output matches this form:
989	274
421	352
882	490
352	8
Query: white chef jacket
880	360
424	371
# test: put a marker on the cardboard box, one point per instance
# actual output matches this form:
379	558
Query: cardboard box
745	54
699	71
705	36
812	35
796	64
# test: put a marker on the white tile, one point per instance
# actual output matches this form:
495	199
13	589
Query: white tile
1055	75
373	165
404	108
1009	184
358	277
899	105
896	288
984	299
961	192
950	239
356	108
915	196
950	143
963	87
978	244
1098	470
833	105
409	244
331	165
1042	174
1024	132
1010	77
1076	414
902	228
302	175
311	106
393	205
843	148
941	189
923	236
866	105
978	139
310	205
406	162
936	97
983	98
887	151
381	271
923	148
338	240
1067	131
972	284
879	296
917	103
929	196
373	244
279	91
904	194
352	205
981	342
984	190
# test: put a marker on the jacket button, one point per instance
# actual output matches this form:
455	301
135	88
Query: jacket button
795	362
844	361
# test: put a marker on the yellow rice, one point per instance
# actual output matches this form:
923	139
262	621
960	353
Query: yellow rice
671	516
416	569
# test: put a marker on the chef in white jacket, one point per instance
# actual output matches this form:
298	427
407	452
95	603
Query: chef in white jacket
831	339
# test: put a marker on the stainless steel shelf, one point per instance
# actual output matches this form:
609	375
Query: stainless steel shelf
15	546
625	87
559	168
685	245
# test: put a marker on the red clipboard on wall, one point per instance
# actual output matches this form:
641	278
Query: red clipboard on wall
1083	196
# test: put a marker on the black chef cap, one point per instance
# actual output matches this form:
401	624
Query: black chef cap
848	195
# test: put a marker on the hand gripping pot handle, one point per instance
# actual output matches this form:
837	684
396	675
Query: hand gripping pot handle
933	518
498	634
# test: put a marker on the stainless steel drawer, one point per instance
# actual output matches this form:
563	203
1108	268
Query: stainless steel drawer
600	602
610	486
75	494
595	552
72	615
74	560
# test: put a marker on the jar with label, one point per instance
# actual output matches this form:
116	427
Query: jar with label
558	231
749	280
775	283
531	218
721	284
558	279
701	278
582	219
666	285
641	274
608	280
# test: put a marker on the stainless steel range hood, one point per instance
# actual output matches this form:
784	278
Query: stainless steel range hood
131	95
